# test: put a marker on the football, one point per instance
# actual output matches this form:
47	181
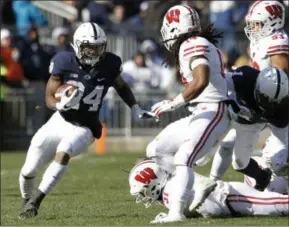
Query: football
60	90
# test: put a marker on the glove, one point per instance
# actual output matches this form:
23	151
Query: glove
165	218
67	102
168	105
143	114
163	106
158	218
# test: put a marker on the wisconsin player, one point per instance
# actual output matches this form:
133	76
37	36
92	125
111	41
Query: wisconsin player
75	124
264	97
200	63
269	45
149	184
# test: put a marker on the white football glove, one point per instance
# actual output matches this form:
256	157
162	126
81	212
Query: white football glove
143	114
163	106
165	218
67	102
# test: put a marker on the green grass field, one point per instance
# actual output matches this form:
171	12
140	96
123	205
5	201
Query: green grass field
95	191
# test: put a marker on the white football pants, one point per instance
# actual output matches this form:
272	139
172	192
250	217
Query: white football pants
185	141
57	135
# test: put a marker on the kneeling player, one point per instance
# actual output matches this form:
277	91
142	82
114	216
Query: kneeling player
150	184
75	124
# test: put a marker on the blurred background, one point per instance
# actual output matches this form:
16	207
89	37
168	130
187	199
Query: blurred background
33	31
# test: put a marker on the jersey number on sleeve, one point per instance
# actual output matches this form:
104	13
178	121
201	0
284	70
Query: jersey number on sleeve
93	98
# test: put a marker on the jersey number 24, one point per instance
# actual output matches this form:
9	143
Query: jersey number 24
93	98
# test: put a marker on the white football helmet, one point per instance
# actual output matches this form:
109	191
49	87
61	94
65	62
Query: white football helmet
179	20
89	43
264	18
271	88
146	182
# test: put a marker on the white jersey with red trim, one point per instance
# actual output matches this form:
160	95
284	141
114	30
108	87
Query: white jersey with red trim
261	50
197	46
233	198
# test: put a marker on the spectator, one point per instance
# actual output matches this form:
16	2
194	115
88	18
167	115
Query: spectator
61	36
33	56
225	15
138	75
155	63
97	13
136	22
117	18
13	75
27	15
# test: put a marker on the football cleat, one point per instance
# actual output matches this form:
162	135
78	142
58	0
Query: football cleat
205	187
30	211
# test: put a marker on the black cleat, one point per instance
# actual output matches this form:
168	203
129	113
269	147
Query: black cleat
30	211
261	184
24	202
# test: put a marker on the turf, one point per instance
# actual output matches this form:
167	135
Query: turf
95	191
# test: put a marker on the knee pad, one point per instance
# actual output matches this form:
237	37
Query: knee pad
28	171
181	158
64	146
151	149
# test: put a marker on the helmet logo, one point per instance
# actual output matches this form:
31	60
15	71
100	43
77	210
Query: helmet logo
173	16
275	11
145	176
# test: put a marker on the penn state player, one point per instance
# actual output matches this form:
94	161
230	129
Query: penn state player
264	97
269	45
75	124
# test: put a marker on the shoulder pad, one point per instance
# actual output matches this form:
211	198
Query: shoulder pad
278	43
114	61
59	62
194	46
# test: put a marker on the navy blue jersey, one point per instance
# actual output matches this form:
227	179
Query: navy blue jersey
94	83
244	79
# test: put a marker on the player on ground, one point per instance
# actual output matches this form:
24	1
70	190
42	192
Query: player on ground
201	66
75	124
150	184
265	96
269	45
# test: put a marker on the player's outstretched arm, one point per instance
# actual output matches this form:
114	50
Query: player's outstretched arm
128	97
201	80
53	83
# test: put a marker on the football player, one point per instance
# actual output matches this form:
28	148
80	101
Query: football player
150	184
269	45
200	64
263	97
75	124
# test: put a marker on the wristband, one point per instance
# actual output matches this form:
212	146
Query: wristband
179	101
135	107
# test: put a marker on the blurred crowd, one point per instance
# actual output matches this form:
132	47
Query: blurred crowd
25	60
